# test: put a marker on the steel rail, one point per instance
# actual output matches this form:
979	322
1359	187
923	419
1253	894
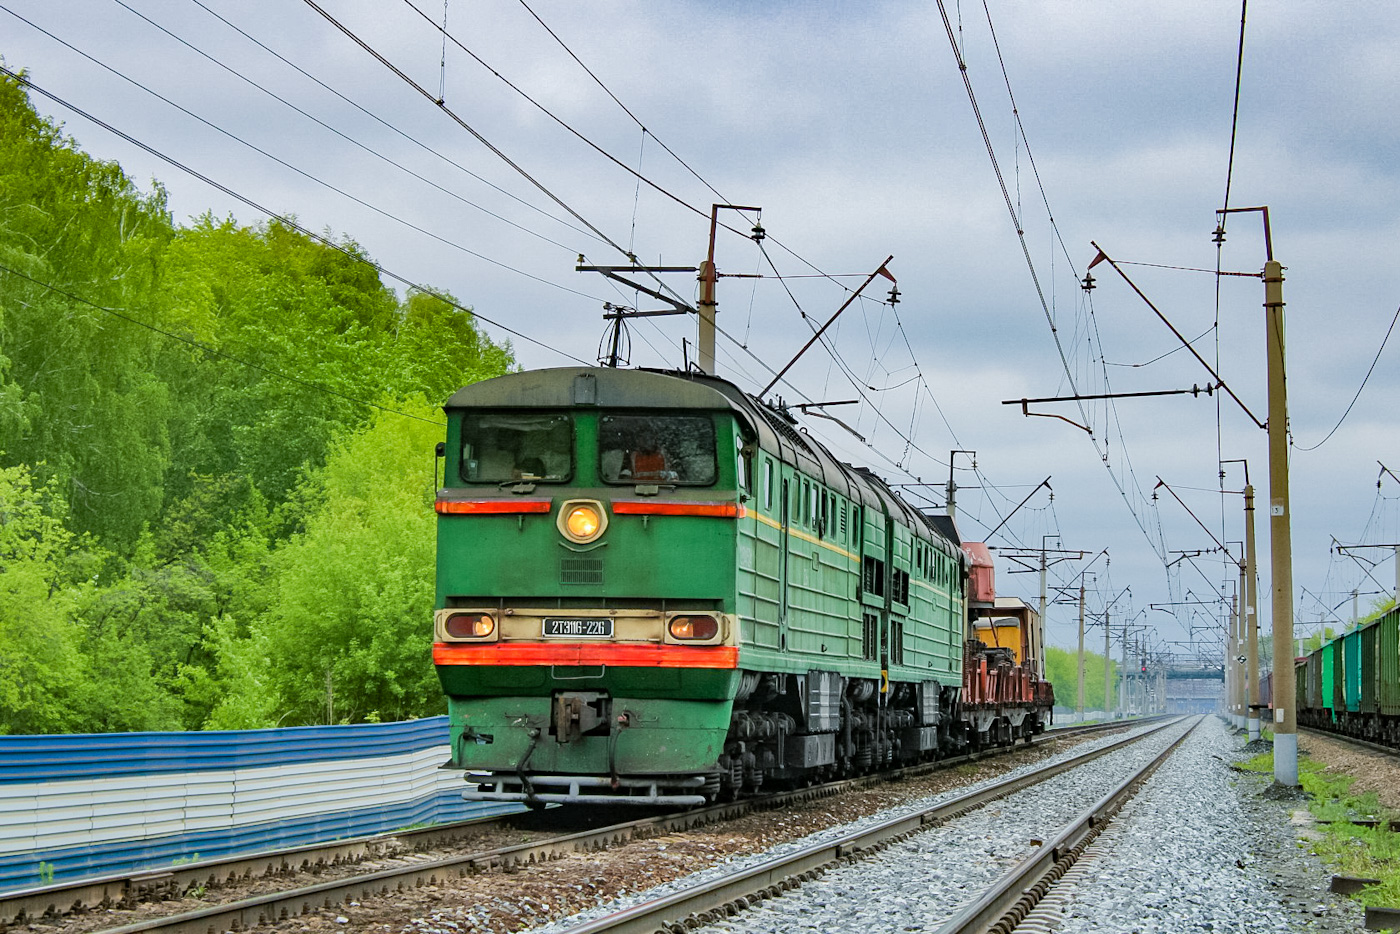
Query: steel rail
710	902
1003	906
127	888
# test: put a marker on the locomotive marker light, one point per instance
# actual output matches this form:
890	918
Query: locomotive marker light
694	628
469	625
582	521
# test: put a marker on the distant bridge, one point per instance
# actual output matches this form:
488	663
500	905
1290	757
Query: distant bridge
1195	673
1194	690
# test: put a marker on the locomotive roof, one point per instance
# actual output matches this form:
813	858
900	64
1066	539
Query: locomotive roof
560	387
609	387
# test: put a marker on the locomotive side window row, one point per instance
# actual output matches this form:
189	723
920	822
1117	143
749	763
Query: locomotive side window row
810	506
497	448
932	565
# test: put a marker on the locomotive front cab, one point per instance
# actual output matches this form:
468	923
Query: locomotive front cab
585	630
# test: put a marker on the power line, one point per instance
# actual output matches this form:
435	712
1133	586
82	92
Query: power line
1235	116
646	130
289	222
857	384
287	165
349	139
463	124
542	109
383	60
1030	263
1364	379
635	119
384	123
619	103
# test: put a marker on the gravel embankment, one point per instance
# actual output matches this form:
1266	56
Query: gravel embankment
915	884
1189	854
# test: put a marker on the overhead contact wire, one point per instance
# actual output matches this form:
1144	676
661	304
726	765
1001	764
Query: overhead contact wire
441	105
1364	380
1025	250
517	89
619	103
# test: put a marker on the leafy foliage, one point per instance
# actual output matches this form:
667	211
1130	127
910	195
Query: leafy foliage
1062	671
215	458
355	588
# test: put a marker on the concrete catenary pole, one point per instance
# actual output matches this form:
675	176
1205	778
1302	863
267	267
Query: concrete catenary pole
1230	650
1122	669
1236	668
1251	615
1280	534
707	306
1107	667
1079	707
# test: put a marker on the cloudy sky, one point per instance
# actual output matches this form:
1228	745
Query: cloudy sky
850	126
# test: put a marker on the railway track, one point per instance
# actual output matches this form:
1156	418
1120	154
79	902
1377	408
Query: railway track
127	889
718	899
1352	741
1017	894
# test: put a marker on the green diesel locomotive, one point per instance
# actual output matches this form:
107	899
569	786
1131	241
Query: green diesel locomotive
654	588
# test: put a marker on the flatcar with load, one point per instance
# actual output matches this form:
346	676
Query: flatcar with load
654	588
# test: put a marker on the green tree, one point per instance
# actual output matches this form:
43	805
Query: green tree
41	665
1315	641
92	411
1062	671
348	627
189	470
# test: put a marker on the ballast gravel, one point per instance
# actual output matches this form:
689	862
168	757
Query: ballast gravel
1186	855
916	884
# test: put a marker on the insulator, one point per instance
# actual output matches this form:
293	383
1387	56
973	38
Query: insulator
894	295
758	233
1088	283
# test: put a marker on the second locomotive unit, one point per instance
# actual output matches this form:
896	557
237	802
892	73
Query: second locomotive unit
652	587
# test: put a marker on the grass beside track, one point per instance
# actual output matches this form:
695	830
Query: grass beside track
1345	847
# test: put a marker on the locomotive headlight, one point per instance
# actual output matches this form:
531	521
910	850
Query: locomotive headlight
582	521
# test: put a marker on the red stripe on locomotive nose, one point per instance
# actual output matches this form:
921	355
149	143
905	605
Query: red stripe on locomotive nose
490	506
645	655
629	507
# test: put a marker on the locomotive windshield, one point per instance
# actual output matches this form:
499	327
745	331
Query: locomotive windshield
502	446
676	449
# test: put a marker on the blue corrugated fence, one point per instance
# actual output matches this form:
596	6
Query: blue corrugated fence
76	805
